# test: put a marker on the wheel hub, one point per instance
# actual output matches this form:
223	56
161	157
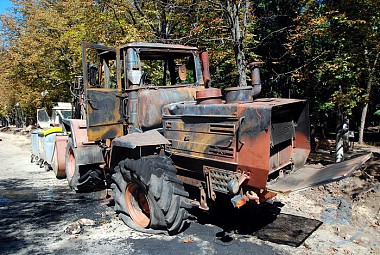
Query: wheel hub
137	204
71	164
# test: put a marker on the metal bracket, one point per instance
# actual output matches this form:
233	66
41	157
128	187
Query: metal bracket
203	199
210	190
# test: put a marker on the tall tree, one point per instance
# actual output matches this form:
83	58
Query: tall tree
338	42
236	14
41	53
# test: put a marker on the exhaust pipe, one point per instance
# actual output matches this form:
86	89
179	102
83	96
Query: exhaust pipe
255	77
248	93
206	69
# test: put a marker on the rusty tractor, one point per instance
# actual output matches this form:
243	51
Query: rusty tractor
156	128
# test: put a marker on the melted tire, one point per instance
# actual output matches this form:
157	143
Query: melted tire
84	178
167	199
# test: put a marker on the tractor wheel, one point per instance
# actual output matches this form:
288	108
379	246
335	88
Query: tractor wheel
84	178
148	195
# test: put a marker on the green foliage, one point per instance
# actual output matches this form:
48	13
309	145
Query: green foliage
325	51
338	47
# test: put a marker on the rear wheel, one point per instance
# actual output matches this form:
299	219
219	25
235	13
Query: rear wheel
82	178
148	195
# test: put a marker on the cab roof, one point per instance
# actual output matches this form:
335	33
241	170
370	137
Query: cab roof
158	46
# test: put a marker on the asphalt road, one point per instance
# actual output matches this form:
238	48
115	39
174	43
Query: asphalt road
35	208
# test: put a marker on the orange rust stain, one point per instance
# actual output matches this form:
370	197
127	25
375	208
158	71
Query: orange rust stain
254	155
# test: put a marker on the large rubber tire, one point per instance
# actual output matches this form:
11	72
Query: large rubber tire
84	178
148	195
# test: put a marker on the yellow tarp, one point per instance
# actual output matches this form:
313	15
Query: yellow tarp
50	131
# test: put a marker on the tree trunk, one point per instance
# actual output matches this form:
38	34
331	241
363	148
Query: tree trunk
238	33
368	93
364	112
240	63
339	149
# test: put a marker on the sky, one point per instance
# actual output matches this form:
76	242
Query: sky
4	4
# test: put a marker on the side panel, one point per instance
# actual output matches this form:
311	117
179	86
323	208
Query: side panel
102	82
204	138
103	114
254	142
255	138
151	102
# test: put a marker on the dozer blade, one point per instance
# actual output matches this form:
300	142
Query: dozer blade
307	177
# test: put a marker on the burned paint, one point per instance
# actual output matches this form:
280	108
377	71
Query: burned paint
239	94
257	137
148	138
87	152
103	117
151	101
309	176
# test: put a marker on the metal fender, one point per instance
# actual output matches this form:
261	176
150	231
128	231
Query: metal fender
86	152
58	159
148	138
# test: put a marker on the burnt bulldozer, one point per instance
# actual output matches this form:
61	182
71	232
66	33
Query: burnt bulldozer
156	125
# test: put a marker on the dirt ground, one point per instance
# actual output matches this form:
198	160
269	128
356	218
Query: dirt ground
35	208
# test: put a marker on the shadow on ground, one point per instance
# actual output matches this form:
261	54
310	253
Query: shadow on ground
264	221
27	213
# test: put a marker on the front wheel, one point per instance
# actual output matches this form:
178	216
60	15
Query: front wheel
82	178
148	195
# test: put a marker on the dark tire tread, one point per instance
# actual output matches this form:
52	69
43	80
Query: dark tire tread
167	198
84	179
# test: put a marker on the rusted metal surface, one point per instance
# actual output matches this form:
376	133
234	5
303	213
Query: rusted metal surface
257	138
226	148
159	46
209	96
239	95
86	152
255	77
307	177
206	69
103	107
103	114
137	204
148	138
150	102
203	199
58	160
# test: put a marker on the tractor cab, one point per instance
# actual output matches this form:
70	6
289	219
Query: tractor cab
127	87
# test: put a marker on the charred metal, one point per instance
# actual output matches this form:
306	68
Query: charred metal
154	122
